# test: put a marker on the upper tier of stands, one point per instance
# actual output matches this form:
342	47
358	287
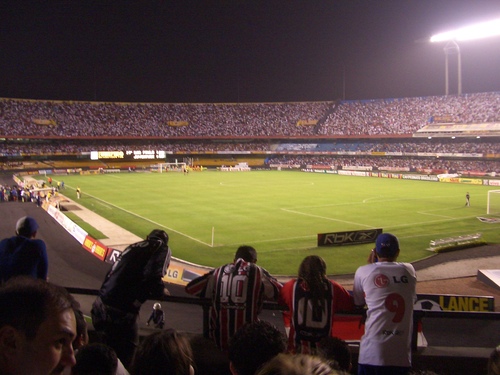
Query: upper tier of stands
385	117
407	115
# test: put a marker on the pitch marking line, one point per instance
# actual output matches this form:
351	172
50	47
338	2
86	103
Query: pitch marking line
274	240
431	222
105	205
376	199
146	219
437	215
325	218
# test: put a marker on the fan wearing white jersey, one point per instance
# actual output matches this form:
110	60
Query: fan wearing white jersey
388	290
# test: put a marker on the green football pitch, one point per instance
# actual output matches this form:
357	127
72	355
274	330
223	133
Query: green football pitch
209	214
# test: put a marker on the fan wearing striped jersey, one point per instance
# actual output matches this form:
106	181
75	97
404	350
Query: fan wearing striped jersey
237	291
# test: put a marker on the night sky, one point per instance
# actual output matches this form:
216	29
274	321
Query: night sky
239	51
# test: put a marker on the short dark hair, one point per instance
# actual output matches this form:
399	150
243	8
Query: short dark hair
337	350
81	326
26	302
167	350
247	253
95	358
254	344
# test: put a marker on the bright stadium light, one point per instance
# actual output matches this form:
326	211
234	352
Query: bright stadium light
476	31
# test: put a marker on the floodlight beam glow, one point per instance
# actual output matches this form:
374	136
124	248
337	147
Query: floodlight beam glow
476	31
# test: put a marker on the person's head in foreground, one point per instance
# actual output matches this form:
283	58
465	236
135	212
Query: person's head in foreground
336	351
95	359
37	327
297	364
82	333
494	362
166	350
252	345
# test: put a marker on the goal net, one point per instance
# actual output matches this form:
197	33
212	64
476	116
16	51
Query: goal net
168	167
493	206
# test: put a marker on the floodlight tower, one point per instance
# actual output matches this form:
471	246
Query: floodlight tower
449	49
476	31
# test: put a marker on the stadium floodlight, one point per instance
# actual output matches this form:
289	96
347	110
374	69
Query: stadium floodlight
475	31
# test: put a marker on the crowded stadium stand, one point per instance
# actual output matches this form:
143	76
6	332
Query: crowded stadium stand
436	134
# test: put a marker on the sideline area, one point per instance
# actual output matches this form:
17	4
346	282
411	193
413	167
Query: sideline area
180	272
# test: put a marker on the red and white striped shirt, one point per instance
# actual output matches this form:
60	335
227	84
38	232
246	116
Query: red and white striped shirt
238	291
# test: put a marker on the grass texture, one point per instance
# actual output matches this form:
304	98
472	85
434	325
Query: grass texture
209	214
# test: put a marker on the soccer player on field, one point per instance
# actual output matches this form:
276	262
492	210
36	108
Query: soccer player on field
237	291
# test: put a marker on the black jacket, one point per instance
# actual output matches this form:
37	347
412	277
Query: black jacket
137	275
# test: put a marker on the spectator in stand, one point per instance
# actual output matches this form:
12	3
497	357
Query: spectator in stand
494	362
23	254
167	352
231	306
208	358
81	340
298	364
135	277
95	358
353	118
337	352
387	288
252	345
37	327
82	333
312	300
401	116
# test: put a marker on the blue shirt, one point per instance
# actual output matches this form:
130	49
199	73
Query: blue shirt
23	256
